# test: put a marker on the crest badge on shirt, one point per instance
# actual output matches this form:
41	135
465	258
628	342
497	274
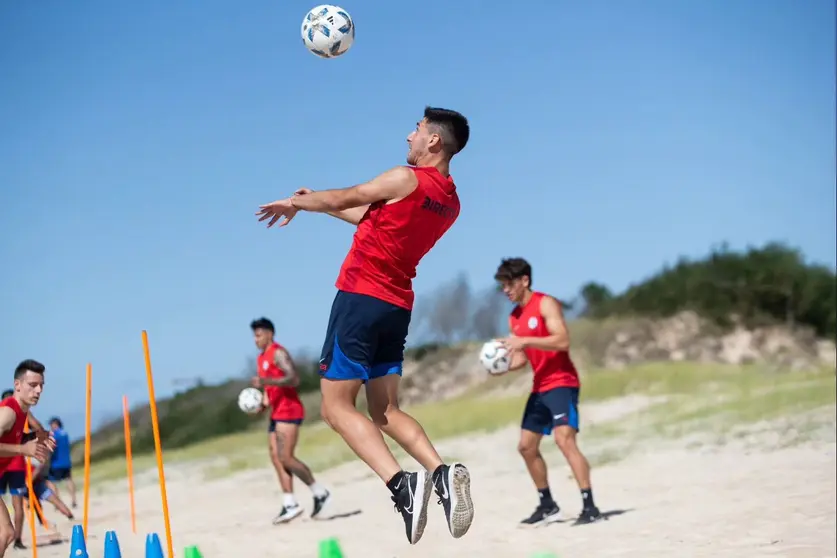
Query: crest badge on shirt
533	322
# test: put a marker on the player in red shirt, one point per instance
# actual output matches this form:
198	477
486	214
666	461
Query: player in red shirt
400	215
539	335
14	446
278	376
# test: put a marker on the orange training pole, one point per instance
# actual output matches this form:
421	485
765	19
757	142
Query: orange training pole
87	448
126	415
31	499
152	401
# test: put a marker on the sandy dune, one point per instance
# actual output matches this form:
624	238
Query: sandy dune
665	501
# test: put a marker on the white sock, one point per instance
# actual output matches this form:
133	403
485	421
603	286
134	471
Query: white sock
318	490
290	501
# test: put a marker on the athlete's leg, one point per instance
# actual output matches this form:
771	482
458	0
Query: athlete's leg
363	437
452	482
563	404
71	485
345	364
290	507
45	494
286	480
17	506
287	436
536	422
7	532
382	399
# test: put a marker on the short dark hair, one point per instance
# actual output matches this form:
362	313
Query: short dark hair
451	125
7	393
262	323
513	268
57	421
30	365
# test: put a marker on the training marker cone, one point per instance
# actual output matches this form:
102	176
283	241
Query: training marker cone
192	552
330	548
78	548
112	545
153	549
544	555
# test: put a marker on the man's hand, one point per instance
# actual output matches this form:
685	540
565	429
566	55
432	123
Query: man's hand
512	343
280	209
256	382
40	450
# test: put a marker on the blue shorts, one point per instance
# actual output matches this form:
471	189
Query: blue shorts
41	490
57	474
13	482
271	424
365	338
556	407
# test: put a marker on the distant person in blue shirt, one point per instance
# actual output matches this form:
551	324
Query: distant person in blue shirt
61	466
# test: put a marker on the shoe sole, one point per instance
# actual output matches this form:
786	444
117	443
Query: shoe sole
461	505
424	486
289	517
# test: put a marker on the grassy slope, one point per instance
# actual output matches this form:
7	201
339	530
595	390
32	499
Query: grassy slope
698	398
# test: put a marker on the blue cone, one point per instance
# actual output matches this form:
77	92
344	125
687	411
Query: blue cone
78	548
112	546
153	549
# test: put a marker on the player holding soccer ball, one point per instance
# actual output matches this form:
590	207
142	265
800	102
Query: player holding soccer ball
539	334
399	216
278	376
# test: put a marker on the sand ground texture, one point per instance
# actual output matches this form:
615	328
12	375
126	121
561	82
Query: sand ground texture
739	500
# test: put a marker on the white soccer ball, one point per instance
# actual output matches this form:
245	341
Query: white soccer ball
494	357
328	31
250	400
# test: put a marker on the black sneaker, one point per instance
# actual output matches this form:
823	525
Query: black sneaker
411	501
320	502
546	512
453	486
288	513
19	544
588	515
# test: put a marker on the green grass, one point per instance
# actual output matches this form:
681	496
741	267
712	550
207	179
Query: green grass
698	397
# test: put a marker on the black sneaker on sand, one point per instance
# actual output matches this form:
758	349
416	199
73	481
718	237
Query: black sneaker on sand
320	502
588	515
19	545
453	486
411	500
546	512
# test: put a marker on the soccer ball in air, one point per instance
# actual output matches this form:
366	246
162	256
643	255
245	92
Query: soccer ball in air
250	400
328	31
494	357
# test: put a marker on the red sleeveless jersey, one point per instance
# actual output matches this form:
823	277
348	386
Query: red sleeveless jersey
13	436
552	369
283	400
391	239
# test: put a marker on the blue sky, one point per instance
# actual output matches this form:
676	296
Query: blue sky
607	139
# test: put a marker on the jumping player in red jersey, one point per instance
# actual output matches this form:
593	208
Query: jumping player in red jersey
539	334
278	376
400	215
29	383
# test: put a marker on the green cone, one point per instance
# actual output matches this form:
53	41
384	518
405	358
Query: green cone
329	548
192	552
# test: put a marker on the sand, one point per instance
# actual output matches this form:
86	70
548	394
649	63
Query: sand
736	500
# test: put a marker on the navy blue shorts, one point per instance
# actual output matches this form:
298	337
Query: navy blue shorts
271	424
365	338
58	474
13	482
556	407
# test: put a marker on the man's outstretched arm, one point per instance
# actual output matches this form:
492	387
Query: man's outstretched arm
393	184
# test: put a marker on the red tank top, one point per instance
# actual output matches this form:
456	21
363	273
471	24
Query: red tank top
283	400
391	239
13	436
552	369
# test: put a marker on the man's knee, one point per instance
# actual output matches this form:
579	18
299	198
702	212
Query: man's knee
7	537
380	411
565	438
527	449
